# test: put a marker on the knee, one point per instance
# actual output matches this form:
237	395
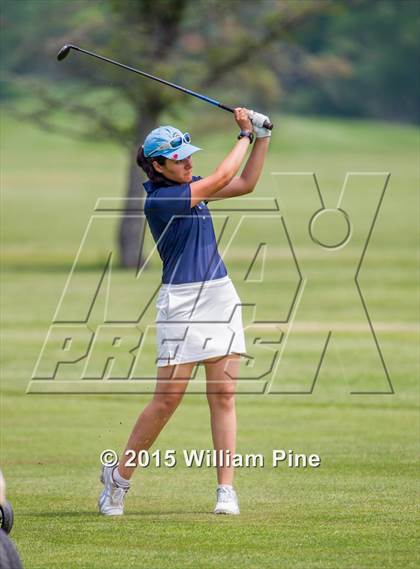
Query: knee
224	400
166	403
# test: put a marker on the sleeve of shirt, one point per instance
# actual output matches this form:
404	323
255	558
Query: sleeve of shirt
170	201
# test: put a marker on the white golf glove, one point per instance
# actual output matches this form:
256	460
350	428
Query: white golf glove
258	120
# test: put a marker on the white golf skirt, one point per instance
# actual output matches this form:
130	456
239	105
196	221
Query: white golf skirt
197	321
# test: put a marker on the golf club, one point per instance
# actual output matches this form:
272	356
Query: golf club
65	50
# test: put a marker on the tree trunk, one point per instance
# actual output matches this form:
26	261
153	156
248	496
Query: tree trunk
132	229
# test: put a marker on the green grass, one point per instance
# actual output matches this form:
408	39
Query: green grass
357	510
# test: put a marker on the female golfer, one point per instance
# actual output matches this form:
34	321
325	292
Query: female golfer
199	317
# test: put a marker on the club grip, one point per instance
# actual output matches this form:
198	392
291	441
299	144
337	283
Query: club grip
267	124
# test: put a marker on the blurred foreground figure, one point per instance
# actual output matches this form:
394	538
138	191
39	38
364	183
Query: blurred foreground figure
9	558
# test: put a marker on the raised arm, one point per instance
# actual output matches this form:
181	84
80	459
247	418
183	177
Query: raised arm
224	173
246	182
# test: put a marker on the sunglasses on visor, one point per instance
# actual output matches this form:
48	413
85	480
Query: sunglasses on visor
176	142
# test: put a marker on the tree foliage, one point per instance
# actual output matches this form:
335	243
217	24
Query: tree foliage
377	45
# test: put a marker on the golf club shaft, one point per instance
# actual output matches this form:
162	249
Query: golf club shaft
63	51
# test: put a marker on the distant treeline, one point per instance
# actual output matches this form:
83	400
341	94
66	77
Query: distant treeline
377	43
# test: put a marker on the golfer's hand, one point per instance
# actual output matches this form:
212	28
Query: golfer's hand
242	118
258	121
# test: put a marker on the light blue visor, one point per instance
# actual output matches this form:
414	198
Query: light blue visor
169	142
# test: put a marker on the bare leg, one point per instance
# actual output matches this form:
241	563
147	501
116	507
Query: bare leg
221	377
171	384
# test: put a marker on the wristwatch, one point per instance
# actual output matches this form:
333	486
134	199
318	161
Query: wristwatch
248	134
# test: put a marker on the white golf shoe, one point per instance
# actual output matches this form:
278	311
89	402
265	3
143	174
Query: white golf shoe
111	500
227	501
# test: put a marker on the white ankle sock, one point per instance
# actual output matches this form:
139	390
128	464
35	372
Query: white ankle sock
224	486
119	480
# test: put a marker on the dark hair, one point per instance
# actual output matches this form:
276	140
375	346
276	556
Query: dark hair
147	166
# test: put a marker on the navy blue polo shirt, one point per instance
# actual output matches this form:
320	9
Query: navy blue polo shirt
184	235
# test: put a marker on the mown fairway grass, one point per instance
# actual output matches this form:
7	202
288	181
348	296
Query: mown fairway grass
356	510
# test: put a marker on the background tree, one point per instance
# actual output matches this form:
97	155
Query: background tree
348	57
204	45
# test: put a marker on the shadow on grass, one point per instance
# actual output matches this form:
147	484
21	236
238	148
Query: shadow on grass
42	267
127	515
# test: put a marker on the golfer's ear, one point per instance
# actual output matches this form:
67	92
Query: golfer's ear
157	166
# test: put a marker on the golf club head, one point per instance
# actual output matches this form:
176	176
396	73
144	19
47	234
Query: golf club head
64	51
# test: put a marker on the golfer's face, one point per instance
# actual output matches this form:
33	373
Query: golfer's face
178	170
